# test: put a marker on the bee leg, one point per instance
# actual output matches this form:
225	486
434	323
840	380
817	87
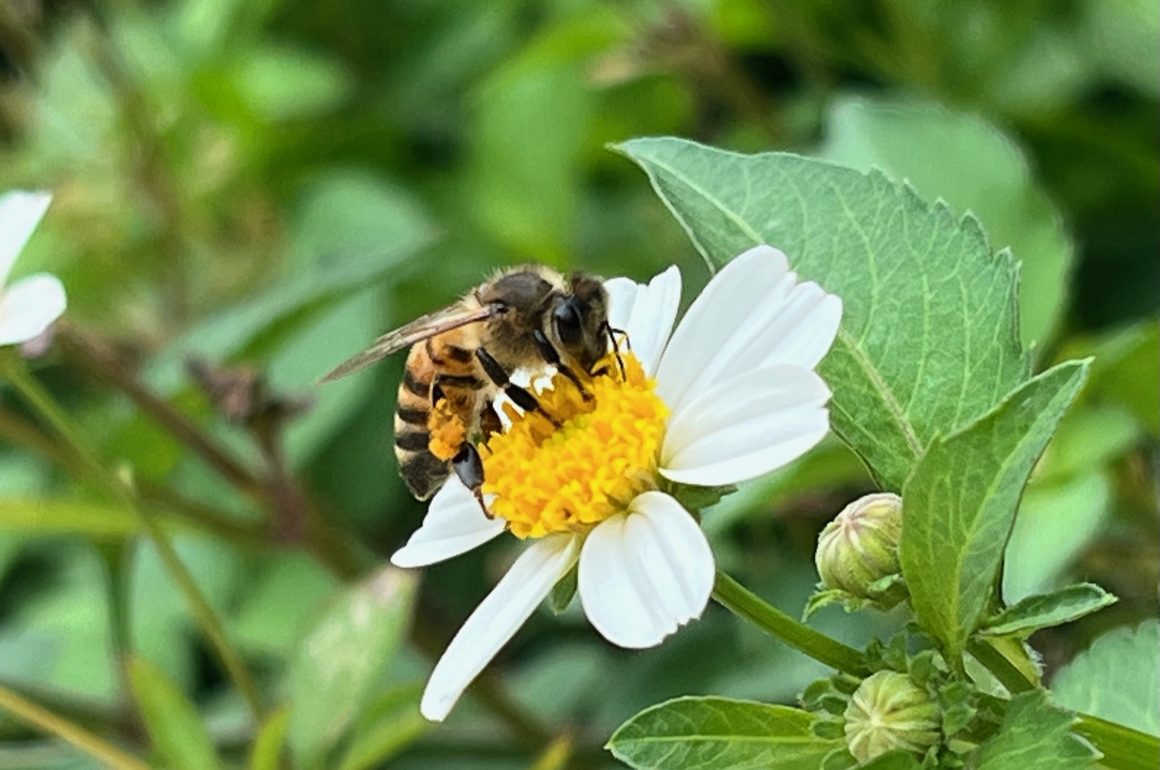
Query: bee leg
489	422
520	396
616	348
468	466
552	357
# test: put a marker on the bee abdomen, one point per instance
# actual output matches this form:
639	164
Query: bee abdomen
412	440
422	472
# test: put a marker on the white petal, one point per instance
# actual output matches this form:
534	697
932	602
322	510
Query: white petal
652	318
28	306
746	426
645	573
621	297
649	322
753	313
454	524
496	620
20	212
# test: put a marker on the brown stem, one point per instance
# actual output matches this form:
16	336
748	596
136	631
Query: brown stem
97	359
23	433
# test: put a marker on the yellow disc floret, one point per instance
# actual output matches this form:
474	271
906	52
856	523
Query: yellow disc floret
581	460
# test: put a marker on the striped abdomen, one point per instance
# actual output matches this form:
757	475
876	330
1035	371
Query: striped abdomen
426	437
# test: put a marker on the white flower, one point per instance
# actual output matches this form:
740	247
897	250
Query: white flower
28	306
729	396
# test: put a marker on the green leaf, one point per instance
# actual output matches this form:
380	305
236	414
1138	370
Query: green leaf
282	596
531	123
1124	371
284	83
351	230
163	627
893	760
1121	40
1088	438
47	516
386	728
338	665
1034	736
59	639
712	733
973	166
174	726
1116	678
1047	610
928	339
266	753
959	506
299	360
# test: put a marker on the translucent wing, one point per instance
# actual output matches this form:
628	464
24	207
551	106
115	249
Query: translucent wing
418	330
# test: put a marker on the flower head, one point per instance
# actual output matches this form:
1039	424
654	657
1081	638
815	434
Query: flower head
729	396
860	546
888	712
29	305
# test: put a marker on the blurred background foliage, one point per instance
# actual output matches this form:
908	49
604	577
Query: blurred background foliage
262	187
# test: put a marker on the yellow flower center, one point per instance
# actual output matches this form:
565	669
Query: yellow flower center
601	453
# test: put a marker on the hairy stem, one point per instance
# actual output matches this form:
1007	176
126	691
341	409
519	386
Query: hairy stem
40	718
749	606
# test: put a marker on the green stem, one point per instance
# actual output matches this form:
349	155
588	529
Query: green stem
1123	748
747	605
40	718
15	372
1003	669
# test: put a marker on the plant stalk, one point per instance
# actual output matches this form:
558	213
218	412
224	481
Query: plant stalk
40	400
749	606
1123	748
42	719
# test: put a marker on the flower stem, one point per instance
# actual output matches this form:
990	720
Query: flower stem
1003	669
749	606
40	718
1123	748
17	375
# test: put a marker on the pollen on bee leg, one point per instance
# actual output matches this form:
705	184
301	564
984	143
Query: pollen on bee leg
447	431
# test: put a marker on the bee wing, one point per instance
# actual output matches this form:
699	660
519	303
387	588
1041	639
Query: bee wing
418	330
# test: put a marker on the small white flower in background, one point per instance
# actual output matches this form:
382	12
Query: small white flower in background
729	396
31	304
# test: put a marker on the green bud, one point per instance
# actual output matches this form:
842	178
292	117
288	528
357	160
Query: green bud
888	712
860	546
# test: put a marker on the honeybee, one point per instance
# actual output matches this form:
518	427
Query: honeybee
462	356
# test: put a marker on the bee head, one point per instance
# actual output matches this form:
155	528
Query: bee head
577	320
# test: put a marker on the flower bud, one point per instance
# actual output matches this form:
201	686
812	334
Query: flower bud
888	712
860	546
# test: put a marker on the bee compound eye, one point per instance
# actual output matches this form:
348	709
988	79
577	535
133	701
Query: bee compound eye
568	325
